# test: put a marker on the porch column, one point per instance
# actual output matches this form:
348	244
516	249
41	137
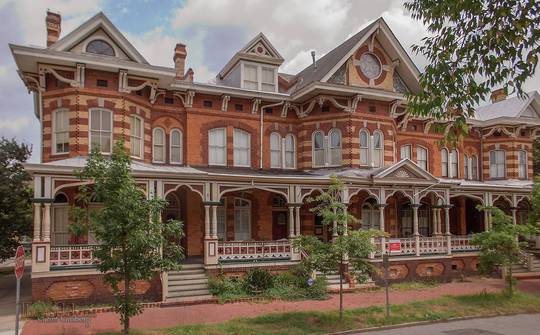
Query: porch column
415	228
47	222
291	221
447	228
334	226
297	221
439	221
206	222
434	220
37	221
514	215
381	222
214	222
210	234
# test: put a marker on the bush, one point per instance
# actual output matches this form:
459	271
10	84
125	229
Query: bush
39	308
258	280
227	288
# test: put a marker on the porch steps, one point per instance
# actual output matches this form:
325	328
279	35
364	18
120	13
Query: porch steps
520	268
332	281
188	284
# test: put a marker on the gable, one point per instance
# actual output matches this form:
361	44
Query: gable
261	46
404	170
100	34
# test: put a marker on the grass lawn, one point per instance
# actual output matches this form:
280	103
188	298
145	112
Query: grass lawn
298	323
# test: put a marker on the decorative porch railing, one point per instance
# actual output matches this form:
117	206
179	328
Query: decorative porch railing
73	255
433	245
254	250
462	243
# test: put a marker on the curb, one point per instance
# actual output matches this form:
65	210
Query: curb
423	323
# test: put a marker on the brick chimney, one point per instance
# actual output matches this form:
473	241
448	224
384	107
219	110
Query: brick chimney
180	60
498	95
53	22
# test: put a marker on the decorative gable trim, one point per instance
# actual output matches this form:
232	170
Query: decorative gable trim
405	169
261	46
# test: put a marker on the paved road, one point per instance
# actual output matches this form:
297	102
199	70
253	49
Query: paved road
8	286
522	324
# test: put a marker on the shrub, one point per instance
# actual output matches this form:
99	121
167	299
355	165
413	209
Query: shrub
226	287
258	280
39	308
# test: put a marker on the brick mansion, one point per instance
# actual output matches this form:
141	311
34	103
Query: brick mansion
235	159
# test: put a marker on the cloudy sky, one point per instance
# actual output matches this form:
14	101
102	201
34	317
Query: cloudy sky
213	31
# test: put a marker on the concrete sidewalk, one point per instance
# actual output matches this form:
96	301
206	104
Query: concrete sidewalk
8	286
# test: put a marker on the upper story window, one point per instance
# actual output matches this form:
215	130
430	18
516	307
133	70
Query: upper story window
319	157
275	150
378	149
522	164
259	77
158	146
241	147
364	147
334	147
176	147
100	47
282	151
474	167
497	164
406	151
137	136
217	147
61	131
290	152
444	162
449	163
422	157
101	129
453	164
466	166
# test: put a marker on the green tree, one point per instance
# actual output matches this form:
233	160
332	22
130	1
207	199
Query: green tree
534	214
348	246
500	246
134	244
536	157
15	196
472	47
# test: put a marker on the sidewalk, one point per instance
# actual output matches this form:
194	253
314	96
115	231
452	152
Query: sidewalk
155	318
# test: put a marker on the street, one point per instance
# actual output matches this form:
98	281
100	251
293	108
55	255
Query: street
7	298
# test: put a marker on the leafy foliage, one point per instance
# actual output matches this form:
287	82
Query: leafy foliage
472	47
15	196
134	244
500	246
258	279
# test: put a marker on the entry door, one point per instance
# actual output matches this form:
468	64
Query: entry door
242	220
279	225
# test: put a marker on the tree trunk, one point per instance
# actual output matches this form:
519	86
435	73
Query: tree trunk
510	281
341	290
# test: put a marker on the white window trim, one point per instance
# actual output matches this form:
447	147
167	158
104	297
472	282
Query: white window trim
367	147
474	170
418	147
259	75
401	151
181	146
285	152
372	148
54	132
323	149
223	147
248	148
154	145
467	167
450	162
141	136
281	149
526	165
249	206
504	162
328	148
90	129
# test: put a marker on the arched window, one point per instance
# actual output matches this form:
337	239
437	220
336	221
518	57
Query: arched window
241	148
242	219
290	151
217	147
444	162
318	149
364	147
101	129
378	148
334	147
136	136
100	47
422	157
497	164
522	164
406	151
61	131
175	150
474	167
158	145
466	174
370	215
275	150
453	163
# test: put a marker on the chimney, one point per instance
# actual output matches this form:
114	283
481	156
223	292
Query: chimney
53	21
498	95
180	60
314	60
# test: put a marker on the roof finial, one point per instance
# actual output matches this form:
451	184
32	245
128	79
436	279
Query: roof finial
314	61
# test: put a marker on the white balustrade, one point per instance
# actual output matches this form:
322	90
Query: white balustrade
73	255
462	243
254	250
433	245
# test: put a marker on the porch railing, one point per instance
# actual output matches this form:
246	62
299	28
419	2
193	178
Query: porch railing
254	250
462	243
73	255
434	245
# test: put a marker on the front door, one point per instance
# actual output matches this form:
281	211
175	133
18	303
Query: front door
279	225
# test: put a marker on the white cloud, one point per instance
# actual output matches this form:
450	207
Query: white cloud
15	124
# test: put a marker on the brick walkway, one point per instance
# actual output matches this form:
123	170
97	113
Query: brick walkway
154	318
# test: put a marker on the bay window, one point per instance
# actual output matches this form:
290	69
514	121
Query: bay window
497	164
101	129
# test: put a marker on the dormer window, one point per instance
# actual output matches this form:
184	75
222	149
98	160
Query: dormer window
259	77
100	47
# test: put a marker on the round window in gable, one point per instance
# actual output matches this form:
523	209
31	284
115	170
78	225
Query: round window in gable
100	47
370	65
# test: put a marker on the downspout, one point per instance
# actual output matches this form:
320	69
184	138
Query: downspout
261	140
481	158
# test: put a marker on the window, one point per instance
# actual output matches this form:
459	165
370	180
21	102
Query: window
405	151
335	147
158	147
364	147
61	131
268	80
290	152
238	107
207	103
318	149
100	47
444	162
101	129
217	147
102	83
176	147
241	147
474	167
275	150
136	136
522	164
423	220
378	149
60	222
250	77
497	162
453	164
221	221
370	216
422	157
466	174
242	219
406	214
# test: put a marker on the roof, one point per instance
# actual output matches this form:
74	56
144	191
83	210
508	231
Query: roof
510	107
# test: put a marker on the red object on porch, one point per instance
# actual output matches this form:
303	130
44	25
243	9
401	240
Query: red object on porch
394	246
